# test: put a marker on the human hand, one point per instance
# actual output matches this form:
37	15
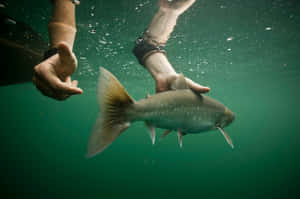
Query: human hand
166	81
52	76
176	6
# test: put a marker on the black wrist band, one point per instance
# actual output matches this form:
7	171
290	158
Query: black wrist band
50	53
75	2
144	49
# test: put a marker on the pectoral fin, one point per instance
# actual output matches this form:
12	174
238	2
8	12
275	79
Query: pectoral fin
226	136
151	130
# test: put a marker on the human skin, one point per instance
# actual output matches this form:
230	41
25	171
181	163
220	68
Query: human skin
53	76
159	30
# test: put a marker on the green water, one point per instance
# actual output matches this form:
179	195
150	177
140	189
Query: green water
256	74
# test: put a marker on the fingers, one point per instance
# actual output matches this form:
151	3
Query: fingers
197	87
74	83
52	76
171	82
69	89
56	89
42	86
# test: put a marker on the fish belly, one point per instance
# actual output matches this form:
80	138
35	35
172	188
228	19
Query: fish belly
177	110
182	120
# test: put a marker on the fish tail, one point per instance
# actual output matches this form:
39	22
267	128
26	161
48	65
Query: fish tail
114	101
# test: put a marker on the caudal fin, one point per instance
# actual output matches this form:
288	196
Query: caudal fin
111	122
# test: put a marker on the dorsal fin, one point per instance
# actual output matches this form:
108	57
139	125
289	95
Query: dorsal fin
179	83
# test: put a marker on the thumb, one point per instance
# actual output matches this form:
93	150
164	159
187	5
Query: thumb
65	52
68	62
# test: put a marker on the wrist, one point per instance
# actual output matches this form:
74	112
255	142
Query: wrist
60	32
61	27
158	66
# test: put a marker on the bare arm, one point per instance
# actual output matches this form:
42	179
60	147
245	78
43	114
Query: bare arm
53	76
159	30
62	23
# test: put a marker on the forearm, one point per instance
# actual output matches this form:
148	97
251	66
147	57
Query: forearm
149	49
159	30
162	25
62	23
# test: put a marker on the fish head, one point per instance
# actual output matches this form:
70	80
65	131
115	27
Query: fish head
226	118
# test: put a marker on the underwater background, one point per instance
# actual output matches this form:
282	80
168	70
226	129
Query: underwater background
247	52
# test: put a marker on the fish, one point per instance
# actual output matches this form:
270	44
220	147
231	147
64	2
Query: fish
181	110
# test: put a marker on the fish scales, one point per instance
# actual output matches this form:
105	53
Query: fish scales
181	109
178	110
